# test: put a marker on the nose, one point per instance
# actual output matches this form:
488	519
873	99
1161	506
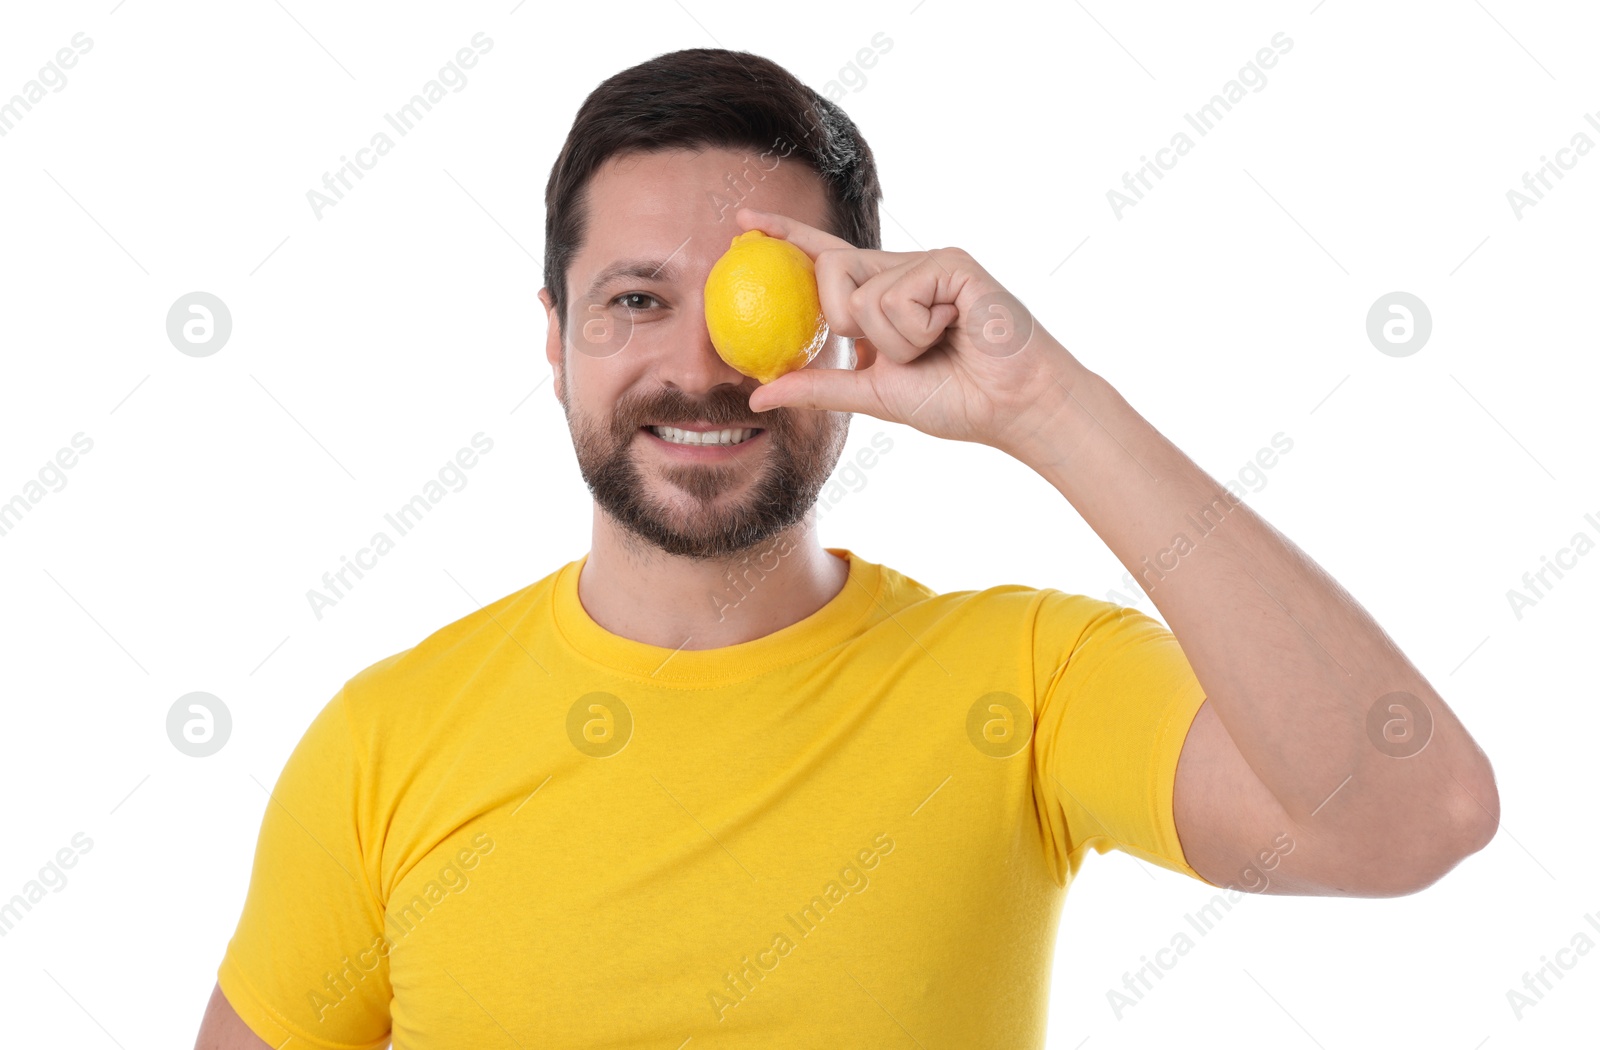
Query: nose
689	360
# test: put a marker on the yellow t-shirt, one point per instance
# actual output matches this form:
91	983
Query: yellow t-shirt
526	830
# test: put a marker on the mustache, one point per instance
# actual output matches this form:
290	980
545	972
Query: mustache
722	407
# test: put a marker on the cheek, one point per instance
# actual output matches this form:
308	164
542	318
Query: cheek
593	384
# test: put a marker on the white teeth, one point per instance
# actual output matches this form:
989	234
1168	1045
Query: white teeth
710	437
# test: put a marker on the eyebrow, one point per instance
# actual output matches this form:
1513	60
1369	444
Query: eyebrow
636	269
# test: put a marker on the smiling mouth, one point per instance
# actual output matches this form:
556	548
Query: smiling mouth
724	437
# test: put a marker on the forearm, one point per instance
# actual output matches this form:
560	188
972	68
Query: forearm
1290	662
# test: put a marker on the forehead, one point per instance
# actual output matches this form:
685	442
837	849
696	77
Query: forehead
681	203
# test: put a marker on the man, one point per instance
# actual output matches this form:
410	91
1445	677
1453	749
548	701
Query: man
716	782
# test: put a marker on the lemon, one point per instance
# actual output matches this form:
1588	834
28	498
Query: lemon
762	309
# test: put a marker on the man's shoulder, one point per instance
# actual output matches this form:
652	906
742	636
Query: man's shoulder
998	603
453	652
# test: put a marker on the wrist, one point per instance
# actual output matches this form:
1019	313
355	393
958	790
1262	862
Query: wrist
1049	427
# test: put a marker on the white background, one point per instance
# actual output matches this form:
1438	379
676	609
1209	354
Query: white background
372	343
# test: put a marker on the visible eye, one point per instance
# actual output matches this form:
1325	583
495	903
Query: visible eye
626	299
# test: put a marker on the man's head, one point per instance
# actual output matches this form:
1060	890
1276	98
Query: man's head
639	205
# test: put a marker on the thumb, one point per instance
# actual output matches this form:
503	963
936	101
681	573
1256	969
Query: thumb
832	389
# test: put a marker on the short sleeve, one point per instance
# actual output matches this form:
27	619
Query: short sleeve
308	963
1115	697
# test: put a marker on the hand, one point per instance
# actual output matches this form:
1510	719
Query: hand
940	345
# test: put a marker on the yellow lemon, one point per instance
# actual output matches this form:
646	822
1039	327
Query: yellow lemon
762	308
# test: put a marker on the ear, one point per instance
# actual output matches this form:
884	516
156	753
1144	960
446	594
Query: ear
552	338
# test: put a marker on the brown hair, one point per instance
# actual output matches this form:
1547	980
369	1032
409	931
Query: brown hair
702	97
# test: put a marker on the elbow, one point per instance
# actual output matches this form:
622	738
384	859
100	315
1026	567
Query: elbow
1465	821
1399	837
1474	807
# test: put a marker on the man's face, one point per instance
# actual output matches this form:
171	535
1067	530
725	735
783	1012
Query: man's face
637	368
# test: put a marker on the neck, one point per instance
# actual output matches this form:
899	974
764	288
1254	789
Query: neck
643	594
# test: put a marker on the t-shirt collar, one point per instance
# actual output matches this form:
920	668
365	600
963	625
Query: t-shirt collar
835	622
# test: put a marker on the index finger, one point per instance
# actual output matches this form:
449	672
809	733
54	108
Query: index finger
855	266
808	239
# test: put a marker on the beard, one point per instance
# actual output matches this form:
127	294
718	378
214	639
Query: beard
704	521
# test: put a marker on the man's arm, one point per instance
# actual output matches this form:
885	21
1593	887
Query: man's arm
1315	726
221	1028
